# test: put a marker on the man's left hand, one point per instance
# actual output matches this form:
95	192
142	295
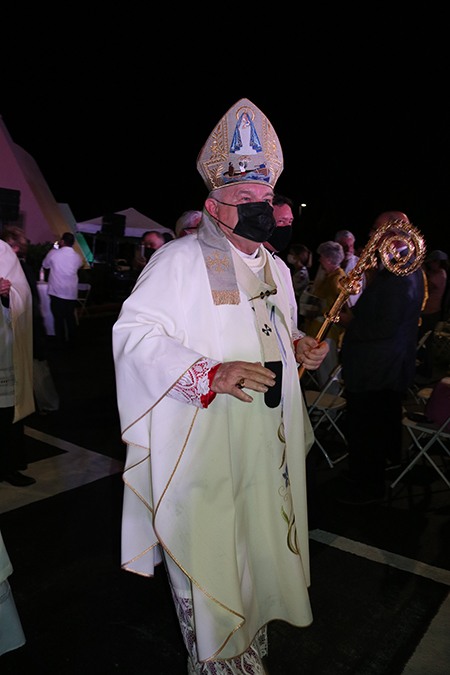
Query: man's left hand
309	353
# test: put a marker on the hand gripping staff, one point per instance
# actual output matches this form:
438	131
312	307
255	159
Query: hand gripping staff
400	262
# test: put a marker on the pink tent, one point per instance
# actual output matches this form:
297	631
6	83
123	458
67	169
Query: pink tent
39	213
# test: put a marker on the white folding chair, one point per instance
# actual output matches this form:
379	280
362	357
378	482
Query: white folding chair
329	408
424	435
83	294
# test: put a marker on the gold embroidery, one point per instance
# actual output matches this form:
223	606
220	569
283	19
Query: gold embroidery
219	142
218	264
151	408
215	165
285	494
226	297
271	145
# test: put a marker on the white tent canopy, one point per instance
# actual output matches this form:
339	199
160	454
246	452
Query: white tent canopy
135	225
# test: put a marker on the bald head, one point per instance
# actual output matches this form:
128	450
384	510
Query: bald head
387	217
390	215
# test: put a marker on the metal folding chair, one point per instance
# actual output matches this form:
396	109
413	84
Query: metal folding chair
424	435
83	294
413	390
329	408
441	340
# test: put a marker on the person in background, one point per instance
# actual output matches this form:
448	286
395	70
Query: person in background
436	266
347	240
187	223
331	255
16	365
300	259
279	240
151	241
45	393
378	357
11	631
17	240
63	264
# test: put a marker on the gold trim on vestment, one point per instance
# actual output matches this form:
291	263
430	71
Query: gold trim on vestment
231	658
178	461
140	556
192	580
153	406
138	495
226	297
146	459
161	543
208	595
219	297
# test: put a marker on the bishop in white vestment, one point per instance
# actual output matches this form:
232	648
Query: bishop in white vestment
206	355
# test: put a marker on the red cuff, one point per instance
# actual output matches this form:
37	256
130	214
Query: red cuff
206	399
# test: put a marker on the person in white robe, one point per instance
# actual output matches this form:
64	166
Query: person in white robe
11	632
211	410
16	362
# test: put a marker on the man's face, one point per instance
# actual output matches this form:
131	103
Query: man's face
283	217
348	244
152	240
234	195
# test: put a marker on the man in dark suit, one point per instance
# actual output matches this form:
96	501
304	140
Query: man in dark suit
378	358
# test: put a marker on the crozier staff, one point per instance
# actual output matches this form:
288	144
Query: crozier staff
211	409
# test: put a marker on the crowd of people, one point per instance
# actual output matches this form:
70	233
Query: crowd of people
207	349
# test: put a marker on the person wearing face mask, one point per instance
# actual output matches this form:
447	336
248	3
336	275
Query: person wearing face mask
280	239
206	371
150	242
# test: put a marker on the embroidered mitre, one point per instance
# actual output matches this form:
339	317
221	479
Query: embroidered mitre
243	147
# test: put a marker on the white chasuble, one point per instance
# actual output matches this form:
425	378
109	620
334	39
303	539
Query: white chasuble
20	314
221	489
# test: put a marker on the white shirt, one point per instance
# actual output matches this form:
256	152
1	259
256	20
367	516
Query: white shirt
347	266
63	264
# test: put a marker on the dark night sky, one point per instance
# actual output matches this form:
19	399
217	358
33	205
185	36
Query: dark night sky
115	113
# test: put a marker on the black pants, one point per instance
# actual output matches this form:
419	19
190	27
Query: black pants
12	455
64	315
374	434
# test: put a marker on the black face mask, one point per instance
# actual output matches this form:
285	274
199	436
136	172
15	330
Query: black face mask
256	220
148	252
281	237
